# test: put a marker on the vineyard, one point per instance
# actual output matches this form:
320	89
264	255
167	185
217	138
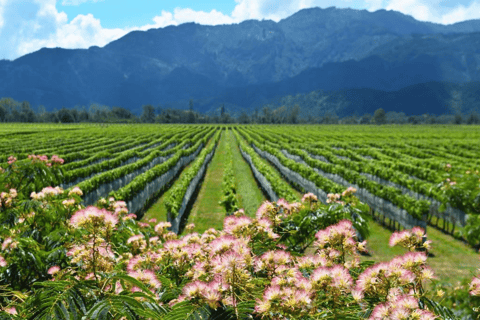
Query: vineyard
239	222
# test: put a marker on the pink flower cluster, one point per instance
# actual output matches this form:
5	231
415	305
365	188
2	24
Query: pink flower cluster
210	292
271	260
276	211
6	199
11	159
75	190
309	197
245	226
223	268
162	227
410	239
335	279
475	286
337	241
94	255
334	198
68	202
53	270
349	191
9	244
46	192
405	272
137	242
401	306
92	215
43	158
3	262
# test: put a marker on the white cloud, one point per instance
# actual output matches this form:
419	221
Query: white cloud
32	24
374	5
82	32
415	8
28	25
76	2
181	15
462	13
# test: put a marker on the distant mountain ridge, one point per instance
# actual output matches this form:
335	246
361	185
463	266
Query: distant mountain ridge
244	65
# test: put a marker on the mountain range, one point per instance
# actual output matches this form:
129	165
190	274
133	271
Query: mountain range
358	59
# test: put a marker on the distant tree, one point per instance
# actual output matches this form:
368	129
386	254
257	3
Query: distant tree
148	115
431	119
64	116
379	117
100	115
3	113
83	116
41	110
445	118
293	117
255	116
158	110
329	118
191	114
458	119
27	114
53	116
75	115
473	118
396	117
350	120
413	120
280	114
243	118
92	110
15	115
10	105
267	115
121	113
168	118
366	119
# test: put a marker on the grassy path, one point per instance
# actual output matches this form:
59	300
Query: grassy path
249	194
452	262
206	211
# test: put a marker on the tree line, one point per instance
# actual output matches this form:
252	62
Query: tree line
14	111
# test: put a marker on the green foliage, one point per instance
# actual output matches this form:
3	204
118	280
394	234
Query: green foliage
229	188
29	176
456	298
279	186
139	182
175	199
299	232
379	117
471	232
122	289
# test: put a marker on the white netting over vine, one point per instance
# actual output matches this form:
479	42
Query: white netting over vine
104	189
190	190
138	202
376	203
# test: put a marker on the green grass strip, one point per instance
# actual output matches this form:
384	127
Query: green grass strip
207	212
249	194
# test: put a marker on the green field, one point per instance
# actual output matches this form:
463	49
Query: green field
393	163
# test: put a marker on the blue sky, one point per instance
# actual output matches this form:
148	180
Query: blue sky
128	13
29	25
